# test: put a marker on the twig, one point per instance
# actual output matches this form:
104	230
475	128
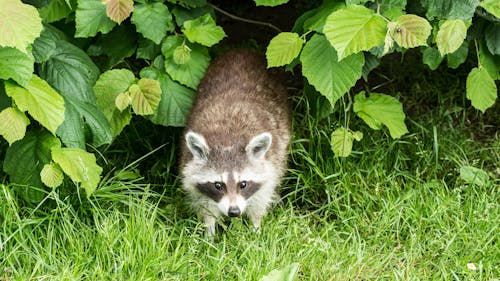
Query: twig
243	19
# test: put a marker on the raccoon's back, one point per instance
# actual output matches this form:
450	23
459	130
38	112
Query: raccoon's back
237	99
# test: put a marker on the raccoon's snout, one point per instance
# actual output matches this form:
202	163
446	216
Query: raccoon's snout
233	211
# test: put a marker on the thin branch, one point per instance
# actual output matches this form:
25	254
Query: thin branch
243	19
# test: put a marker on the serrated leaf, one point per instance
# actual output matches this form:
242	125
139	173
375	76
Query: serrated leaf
410	31
44	46
283	48
270	3
392	9
379	109
450	36
123	101
182	54
286	273
481	89
152	20
110	85
182	14
432	57
341	142
115	53
191	72
474	175
20	24
25	159
317	21
91	18
16	65
42	102
354	29
492	37
450	9
203	30
176	100
489	61
332	78
119	10
72	73
57	10
491	6
145	96
458	57
51	175
80	166
147	49
13	124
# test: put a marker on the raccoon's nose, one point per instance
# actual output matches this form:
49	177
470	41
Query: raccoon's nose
234	212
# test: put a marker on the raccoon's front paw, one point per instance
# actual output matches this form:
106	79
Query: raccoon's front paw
209	226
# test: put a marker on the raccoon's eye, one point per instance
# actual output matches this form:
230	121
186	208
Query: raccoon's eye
243	184
218	185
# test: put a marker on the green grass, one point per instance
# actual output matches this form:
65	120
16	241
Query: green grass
394	210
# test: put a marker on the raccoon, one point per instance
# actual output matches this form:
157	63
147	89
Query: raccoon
234	151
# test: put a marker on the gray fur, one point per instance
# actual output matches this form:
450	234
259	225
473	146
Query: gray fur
238	131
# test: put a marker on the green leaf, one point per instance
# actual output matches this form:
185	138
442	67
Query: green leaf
380	109
203	30
115	53
147	49
410	31
91	18
458	57
317	21
492	36
73	74
450	36
489	61
42	102
80	166
392	9
57	10
182	54
51	175
354	29
270	3
20	25
13	124
481	89
83	119
332	78
25	159
450	9
145	96
16	65
432	57
191	72
110	85
152	20
176	100
181	14
286	273
123	101
44	46
283	48
474	176
491	6
341	141
119	10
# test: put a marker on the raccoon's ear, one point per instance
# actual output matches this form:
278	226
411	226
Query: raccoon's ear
259	145
197	145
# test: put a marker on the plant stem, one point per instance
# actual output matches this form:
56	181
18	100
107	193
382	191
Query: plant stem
243	19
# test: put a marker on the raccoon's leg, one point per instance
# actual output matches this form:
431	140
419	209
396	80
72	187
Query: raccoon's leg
209	221
256	215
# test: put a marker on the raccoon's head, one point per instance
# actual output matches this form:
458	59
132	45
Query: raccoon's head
229	176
